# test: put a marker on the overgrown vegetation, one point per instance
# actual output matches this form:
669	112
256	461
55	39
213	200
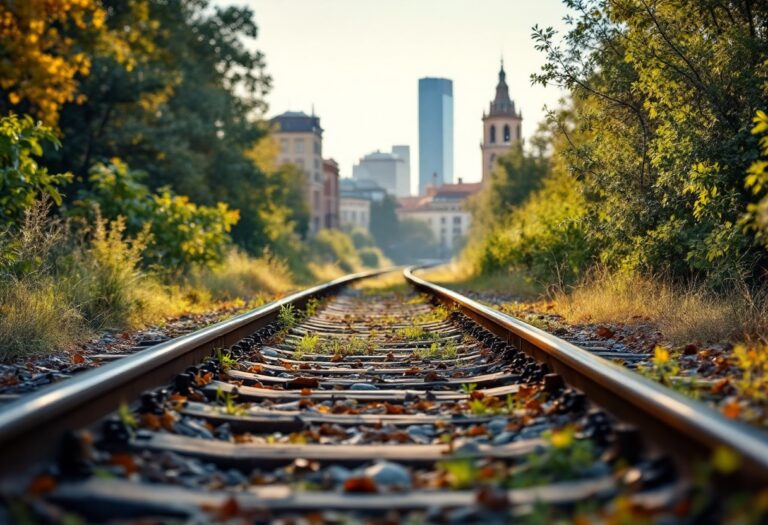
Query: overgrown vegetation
142	131
654	166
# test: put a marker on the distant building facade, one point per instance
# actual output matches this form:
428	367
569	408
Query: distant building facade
435	132
301	143
404	180
391	171
355	212
444	210
361	189
501	126
331	194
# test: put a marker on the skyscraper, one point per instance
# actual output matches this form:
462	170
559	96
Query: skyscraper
435	132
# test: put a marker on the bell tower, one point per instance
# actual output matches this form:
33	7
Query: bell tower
501	126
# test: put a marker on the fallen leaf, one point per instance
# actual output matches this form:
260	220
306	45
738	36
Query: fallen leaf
125	460
732	409
303	382
41	484
203	379
306	391
492	499
604	332
721	385
78	359
360	485
151	421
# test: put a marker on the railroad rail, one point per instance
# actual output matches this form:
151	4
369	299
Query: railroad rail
341	400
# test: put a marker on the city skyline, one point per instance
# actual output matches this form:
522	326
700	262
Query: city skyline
361	76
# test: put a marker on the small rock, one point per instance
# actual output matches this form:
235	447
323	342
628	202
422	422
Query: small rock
389	476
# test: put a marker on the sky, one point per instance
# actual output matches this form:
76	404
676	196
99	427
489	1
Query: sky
357	62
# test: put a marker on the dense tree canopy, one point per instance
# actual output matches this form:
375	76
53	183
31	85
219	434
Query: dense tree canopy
172	88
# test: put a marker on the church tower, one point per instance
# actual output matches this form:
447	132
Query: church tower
501	126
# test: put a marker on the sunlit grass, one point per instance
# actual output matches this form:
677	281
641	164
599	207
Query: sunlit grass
682	313
461	276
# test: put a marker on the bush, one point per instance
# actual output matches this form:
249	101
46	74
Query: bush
105	279
362	239
183	234
371	257
544	237
333	246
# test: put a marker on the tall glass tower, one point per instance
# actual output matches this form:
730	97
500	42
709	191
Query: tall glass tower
435	132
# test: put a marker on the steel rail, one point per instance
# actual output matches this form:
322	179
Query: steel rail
30	424
689	429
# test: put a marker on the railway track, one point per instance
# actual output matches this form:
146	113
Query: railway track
342	404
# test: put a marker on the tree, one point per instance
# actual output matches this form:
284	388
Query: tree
43	53
186	110
663	93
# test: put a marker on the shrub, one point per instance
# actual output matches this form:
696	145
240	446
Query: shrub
371	257
362	239
105	279
183	234
545	236
333	246
22	180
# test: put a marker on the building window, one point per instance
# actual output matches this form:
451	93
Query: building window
353	214
457	220
429	221
456	232
317	148
442	220
506	133
519	134
300	163
299	145
284	145
317	200
493	134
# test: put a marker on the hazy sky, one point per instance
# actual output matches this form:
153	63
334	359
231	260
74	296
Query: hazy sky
358	62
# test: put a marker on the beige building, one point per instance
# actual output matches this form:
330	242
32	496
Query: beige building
444	210
301	143
501	126
355	213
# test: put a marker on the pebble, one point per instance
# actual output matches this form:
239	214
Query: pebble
389	476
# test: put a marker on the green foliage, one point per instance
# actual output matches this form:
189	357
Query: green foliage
312	305
287	316
403	241
545	235
362	239
22	180
182	233
226	361
446	351
105	278
370	257
565	458
186	109
306	345
333	246
185	233
757	181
